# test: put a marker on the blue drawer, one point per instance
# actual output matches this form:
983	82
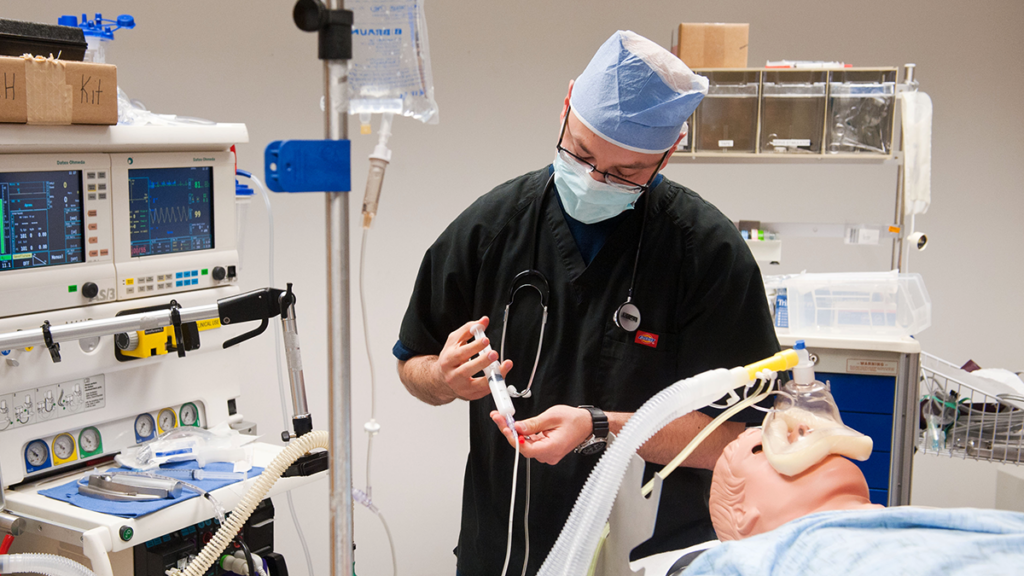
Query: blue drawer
859	393
878	426
879	497
876	470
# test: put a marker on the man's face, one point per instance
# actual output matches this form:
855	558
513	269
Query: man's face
607	157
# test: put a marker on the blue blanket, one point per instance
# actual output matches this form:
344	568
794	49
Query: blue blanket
903	540
69	492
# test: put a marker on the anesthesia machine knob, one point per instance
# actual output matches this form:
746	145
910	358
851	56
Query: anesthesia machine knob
219	273
127	340
90	289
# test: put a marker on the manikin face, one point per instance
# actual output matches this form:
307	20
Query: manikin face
770	499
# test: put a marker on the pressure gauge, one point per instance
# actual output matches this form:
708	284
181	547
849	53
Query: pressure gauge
144	427
167	420
63	447
89	441
189	415
37	453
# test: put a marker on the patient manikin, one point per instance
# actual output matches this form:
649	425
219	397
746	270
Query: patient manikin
749	497
821	522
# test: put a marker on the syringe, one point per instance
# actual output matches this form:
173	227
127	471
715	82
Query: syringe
496	382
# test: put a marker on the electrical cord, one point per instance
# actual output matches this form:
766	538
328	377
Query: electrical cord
248	555
277	358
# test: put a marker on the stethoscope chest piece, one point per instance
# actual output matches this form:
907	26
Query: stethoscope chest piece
627	317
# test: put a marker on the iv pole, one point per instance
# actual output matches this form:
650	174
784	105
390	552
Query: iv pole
339	346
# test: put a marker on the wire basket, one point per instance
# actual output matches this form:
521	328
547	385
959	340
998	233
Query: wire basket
965	416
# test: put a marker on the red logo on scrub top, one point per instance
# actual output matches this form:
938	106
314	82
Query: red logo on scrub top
646	338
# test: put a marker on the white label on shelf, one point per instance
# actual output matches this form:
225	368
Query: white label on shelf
867	236
725	144
876	367
790	142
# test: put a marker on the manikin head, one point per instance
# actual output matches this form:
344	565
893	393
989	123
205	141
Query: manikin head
748	497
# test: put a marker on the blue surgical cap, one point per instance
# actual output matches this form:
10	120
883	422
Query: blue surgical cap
636	95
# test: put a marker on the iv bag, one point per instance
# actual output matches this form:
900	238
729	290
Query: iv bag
390	67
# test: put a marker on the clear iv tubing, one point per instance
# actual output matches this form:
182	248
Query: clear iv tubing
277	358
512	505
371	427
379	161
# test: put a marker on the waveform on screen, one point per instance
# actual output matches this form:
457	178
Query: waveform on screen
169	215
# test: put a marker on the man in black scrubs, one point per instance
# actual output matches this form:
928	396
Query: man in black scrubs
598	228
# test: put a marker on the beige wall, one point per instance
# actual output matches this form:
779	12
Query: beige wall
501	69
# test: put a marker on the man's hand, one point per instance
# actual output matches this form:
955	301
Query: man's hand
440	379
551	435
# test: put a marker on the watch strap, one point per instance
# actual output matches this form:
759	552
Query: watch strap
599	420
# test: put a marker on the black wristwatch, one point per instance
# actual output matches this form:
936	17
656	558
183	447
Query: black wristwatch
599	438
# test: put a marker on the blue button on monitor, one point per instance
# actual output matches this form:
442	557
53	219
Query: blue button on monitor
177	274
195	273
195	281
177	283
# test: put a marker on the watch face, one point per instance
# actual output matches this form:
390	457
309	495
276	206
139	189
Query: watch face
594	447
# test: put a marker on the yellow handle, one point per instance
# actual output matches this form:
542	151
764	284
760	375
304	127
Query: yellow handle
782	361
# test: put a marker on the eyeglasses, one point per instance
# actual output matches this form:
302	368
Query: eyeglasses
626	186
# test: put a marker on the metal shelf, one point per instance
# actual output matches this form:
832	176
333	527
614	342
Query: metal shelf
752	158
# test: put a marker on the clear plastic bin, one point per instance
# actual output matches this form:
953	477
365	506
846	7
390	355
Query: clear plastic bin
793	112
727	118
860	116
858	303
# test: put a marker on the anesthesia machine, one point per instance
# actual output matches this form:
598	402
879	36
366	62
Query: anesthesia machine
119	272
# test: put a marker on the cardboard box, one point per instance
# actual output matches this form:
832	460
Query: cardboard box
713	45
58	92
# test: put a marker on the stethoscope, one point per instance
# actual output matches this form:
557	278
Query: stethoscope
626	317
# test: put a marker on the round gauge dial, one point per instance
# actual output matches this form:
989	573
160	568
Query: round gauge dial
37	452
189	415
89	440
63	446
144	425
167	420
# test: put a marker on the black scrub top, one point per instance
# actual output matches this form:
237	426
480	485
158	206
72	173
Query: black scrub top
701	298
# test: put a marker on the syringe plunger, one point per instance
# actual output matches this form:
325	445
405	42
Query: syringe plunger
495	381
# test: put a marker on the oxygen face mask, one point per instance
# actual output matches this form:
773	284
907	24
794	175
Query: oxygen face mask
805	426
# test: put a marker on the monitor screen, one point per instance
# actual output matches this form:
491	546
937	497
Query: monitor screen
171	210
40	219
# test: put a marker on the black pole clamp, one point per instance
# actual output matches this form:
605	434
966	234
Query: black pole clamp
53	347
334	28
176	322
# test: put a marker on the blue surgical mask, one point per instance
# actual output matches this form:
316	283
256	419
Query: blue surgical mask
586	199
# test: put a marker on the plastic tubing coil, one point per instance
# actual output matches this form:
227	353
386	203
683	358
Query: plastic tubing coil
271	474
48	564
574	549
